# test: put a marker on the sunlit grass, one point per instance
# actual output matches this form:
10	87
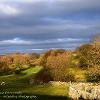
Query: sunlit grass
15	79
47	89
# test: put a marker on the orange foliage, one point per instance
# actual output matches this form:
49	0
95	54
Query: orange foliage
58	65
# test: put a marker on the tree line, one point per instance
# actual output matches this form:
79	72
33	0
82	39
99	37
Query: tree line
59	65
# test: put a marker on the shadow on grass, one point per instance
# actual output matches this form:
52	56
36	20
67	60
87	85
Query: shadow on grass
35	97
46	97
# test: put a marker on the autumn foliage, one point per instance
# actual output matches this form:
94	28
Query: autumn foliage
89	55
59	65
11	62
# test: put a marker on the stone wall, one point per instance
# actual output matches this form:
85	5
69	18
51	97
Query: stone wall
84	90
57	83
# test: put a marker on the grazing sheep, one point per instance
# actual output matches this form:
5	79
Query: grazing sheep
2	83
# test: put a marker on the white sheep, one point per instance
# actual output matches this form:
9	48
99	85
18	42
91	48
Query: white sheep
2	83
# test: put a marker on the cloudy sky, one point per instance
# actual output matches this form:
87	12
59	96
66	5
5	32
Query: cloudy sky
38	25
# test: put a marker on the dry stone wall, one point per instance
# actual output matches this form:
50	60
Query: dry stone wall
84	90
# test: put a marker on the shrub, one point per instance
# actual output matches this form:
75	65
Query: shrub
89	55
93	74
44	76
58	66
17	70
70	77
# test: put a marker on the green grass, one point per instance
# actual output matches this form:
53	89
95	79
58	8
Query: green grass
18	82
47	89
31	71
61	90
41	90
23	75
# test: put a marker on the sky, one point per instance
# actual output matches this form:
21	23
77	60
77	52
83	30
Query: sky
39	25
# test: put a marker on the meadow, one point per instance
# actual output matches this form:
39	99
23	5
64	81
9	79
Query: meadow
52	74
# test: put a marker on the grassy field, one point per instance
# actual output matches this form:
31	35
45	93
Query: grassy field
14	83
22	76
48	89
42	92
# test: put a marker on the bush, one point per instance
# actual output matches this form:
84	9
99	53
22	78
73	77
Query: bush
89	55
58	66
70	77
17	70
93	74
44	76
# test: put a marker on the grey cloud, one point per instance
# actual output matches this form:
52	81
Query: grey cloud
56	7
18	41
60	29
45	24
